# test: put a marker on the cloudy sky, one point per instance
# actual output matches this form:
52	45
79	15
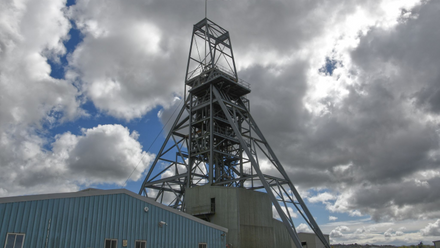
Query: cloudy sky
347	93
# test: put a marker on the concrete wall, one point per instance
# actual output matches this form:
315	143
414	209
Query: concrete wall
247	215
312	241
198	199
282	237
437	244
256	228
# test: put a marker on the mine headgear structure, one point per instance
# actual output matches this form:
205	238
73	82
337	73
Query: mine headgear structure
214	139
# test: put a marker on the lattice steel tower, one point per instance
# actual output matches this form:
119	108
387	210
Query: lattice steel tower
214	139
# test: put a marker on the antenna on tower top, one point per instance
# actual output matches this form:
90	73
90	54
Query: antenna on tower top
206	31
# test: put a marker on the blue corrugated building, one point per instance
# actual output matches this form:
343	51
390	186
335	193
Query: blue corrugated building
101	218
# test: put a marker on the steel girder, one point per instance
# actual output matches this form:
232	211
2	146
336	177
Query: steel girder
214	139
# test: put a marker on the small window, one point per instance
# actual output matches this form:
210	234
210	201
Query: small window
140	244
202	245
14	240
212	205
111	243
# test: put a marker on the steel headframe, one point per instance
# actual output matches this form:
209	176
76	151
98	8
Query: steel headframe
214	139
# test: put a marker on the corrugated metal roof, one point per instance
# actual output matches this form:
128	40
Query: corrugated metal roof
97	192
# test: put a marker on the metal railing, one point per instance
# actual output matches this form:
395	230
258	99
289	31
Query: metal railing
202	209
218	71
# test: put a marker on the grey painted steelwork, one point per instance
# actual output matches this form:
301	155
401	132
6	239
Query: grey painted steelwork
226	147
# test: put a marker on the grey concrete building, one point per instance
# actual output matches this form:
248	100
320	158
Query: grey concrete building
247	215
310	240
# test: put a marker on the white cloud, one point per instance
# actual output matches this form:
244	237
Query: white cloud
342	203
366	231
303	228
332	218
123	64
360	230
322	197
106	154
361	144
30	33
433	229
275	214
355	213
389	233
338	231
